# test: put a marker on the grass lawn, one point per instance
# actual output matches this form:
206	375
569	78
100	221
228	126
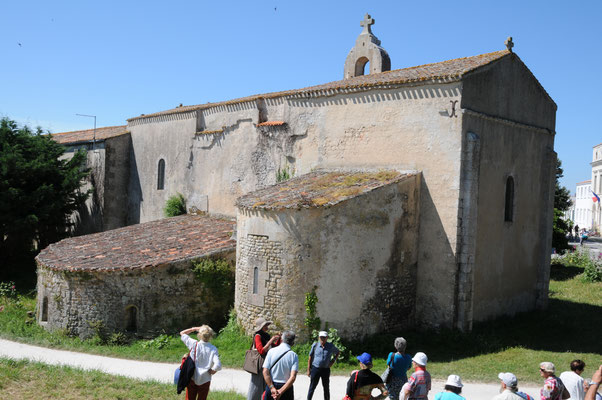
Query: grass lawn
27	380
570	328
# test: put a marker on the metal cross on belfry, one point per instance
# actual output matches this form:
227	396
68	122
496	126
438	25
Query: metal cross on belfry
509	43
366	23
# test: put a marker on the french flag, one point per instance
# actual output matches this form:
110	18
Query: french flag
596	198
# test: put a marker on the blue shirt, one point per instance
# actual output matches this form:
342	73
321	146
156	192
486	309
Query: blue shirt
401	364
281	371
448	396
322	355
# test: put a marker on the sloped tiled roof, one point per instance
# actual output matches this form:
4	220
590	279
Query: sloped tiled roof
88	134
441	71
319	189
141	246
581	183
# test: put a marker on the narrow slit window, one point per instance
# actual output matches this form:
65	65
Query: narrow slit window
45	309
161	175
255	280
509	209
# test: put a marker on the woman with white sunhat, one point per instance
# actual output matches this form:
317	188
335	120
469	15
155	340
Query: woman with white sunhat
452	389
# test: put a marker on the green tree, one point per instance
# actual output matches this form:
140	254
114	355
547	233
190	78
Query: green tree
562	202
38	193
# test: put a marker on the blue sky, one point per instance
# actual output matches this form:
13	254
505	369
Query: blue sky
117	60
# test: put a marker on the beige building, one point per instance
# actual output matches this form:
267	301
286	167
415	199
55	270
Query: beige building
472	136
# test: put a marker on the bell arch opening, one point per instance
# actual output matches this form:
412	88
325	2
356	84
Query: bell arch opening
360	66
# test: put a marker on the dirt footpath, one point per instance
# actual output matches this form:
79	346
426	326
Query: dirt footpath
226	379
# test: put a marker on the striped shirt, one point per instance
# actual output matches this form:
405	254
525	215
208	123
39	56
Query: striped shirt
419	384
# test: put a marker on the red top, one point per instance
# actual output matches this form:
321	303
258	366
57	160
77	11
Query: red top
260	347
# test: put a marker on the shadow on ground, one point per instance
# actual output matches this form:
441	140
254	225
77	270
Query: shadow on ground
564	326
559	272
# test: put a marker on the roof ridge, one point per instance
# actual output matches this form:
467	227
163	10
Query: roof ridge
351	83
86	130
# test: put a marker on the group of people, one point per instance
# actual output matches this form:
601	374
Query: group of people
281	365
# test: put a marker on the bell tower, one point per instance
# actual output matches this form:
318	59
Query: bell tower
366	50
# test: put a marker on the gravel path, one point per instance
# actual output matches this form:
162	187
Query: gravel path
226	379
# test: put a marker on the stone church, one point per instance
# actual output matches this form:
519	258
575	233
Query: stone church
418	197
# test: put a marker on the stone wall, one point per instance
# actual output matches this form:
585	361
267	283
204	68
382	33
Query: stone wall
359	256
144	302
406	128
116	180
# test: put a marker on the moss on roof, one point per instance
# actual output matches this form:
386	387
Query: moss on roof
319	189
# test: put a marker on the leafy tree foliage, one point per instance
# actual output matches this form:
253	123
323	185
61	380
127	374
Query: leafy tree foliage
562	202
38	193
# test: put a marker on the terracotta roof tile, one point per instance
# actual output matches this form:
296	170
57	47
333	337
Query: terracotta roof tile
88	134
445	70
143	245
272	123
319	189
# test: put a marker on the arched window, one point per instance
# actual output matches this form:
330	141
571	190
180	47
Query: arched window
161	175
131	319
255	280
45	309
509	208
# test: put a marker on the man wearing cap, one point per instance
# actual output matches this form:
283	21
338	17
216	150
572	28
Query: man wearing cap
552	386
419	384
509	389
319	363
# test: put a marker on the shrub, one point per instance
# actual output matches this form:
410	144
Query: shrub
215	274
312	321
159	342
175	205
118	339
334	338
581	258
593	271
283	174
8	290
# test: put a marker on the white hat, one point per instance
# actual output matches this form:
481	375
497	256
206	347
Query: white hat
323	334
454	380
508	378
420	358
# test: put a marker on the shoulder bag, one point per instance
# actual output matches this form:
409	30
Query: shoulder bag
354	383
253	360
387	375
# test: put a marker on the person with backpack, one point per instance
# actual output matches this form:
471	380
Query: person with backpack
362	382
553	388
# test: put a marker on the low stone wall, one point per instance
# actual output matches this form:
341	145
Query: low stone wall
144	302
